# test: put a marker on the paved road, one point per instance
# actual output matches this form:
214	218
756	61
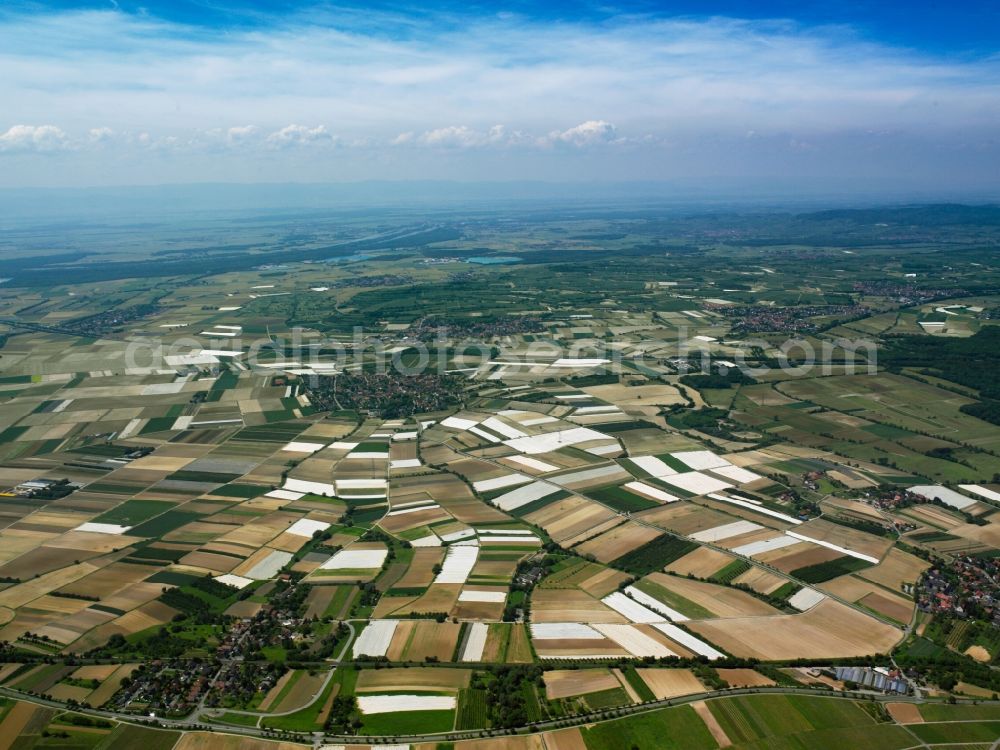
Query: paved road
590	718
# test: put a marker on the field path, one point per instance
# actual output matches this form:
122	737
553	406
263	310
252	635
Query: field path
701	708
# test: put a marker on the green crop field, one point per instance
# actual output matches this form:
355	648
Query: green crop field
670	728
408	722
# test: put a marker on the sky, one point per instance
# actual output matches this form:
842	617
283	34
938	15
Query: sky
812	95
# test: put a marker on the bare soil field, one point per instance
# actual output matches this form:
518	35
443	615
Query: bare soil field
760	580
440	597
571	517
432	639
685	518
712	724
412	678
700	563
519	645
798	556
905	713
870	595
530	742
722	601
670	683
614	543
744	678
565	683
302	692
561	605
828	630
564	739
842	536
214	741
603	583
897	568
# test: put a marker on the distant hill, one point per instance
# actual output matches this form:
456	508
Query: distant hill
934	215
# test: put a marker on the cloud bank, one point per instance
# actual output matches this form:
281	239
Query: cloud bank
329	95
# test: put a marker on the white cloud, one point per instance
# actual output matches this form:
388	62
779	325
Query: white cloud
299	135
38	138
587	133
100	135
241	134
462	136
707	94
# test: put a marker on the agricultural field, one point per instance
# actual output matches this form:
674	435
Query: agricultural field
240	529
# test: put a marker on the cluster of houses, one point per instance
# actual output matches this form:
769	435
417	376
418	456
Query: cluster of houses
967	589
165	688
801	319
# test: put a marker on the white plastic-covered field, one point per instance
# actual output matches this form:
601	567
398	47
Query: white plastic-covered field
431	540
588	475
652	466
404	463
834	547
696	482
342	445
502	428
233	580
370	455
102	528
630	608
545	631
550	441
482	596
604	409
456	535
515	539
307	527
532	463
457	565
634	640
656	605
975	489
351	559
375	638
580	362
755	506
765	545
944	494
475	642
417	509
268	567
537	421
699	460
736	474
653	493
390	704
457	423
315	488
604	450
725	531
284	495
498	483
506	532
487	436
300	447
806	598
688	641
524	495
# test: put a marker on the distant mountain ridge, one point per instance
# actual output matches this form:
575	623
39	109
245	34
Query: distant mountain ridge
930	215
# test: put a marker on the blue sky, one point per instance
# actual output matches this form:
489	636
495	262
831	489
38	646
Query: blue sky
817	92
